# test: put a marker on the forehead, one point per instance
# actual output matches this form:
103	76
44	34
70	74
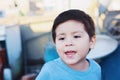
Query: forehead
70	26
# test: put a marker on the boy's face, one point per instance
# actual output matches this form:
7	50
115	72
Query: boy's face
73	42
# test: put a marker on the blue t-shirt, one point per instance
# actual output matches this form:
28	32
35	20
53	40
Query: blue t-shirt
58	70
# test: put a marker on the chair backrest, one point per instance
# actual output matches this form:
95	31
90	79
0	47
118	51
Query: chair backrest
110	66
50	52
33	48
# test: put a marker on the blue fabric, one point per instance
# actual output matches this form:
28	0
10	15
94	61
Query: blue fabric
50	52
111	66
57	70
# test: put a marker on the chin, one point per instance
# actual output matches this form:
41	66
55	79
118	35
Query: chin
70	62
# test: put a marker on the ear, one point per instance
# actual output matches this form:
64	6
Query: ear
92	42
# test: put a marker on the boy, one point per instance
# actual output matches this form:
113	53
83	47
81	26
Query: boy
73	33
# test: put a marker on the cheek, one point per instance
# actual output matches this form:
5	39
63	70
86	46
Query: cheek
59	48
83	45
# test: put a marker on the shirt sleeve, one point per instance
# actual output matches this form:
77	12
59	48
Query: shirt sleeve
44	74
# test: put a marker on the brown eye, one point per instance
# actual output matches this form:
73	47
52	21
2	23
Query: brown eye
77	36
61	38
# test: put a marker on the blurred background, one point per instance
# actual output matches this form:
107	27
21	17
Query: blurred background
25	35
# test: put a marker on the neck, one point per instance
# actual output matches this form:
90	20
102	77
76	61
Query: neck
81	65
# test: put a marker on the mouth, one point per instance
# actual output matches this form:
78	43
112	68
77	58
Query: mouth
70	53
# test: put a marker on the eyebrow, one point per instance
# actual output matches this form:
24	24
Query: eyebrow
60	34
72	33
78	32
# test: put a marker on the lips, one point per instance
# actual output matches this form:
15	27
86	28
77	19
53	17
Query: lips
70	53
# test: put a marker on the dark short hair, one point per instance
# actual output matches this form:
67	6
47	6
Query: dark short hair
77	15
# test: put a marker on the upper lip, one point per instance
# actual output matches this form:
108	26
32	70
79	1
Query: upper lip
70	52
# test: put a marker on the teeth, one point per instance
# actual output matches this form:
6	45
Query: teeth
70	52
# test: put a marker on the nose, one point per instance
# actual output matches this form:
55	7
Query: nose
68	42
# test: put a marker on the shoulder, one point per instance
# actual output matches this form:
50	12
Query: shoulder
52	63
50	66
48	70
94	70
94	64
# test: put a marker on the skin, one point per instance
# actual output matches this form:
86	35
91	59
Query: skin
73	44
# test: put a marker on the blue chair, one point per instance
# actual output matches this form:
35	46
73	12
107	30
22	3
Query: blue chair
111	66
50	52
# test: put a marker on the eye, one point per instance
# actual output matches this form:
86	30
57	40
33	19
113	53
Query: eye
61	38
77	36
